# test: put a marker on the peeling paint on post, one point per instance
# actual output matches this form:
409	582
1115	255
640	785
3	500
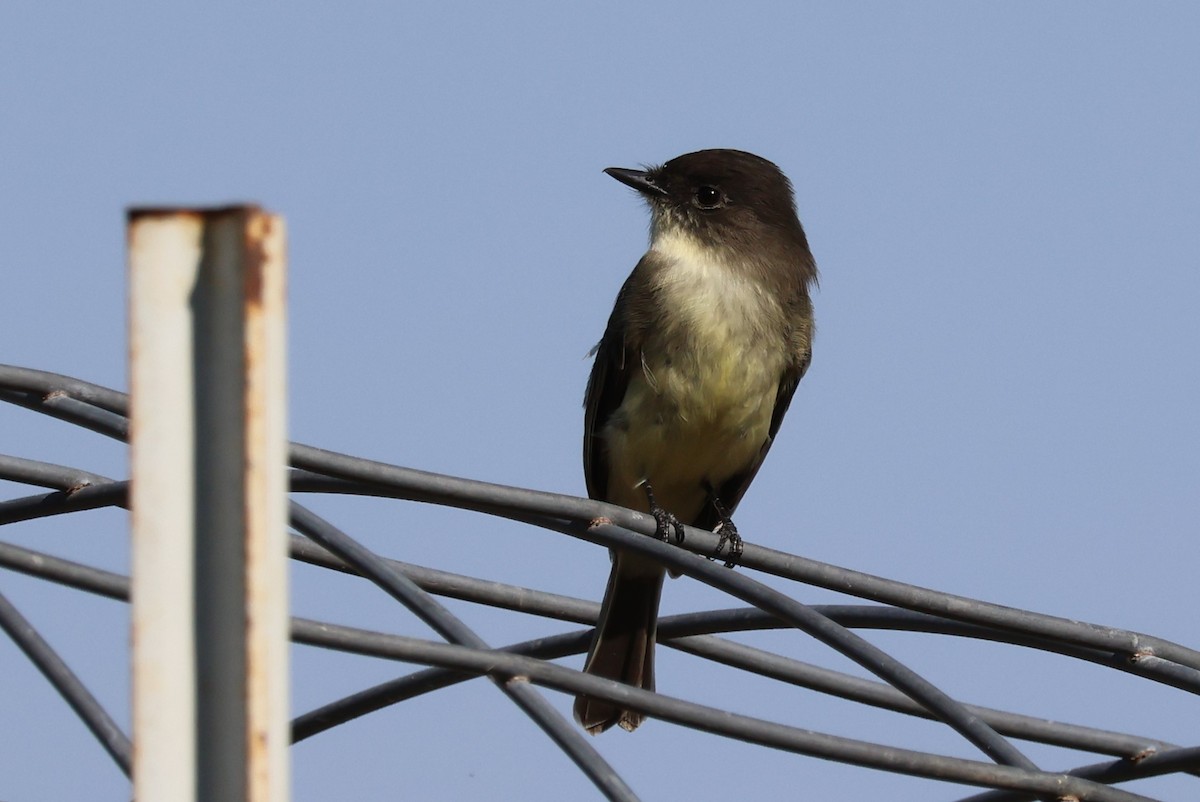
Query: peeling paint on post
266	514
209	504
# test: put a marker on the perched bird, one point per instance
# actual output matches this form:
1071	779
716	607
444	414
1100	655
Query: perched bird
707	341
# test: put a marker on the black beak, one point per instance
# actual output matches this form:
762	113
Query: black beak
640	180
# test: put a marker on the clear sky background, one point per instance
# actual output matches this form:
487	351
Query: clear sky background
1003	200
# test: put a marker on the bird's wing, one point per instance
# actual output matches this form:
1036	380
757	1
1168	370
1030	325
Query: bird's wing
617	354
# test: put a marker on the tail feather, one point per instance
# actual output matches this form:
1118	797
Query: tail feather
623	644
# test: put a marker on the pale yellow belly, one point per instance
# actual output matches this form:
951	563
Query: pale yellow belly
688	426
699	408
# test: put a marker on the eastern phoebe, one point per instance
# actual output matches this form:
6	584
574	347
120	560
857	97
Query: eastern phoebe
709	337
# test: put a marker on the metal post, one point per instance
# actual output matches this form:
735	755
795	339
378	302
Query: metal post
209	505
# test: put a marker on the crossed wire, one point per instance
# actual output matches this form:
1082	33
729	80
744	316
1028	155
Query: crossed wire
516	669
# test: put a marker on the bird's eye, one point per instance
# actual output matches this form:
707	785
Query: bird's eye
709	197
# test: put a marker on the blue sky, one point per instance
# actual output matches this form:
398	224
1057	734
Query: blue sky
1002	200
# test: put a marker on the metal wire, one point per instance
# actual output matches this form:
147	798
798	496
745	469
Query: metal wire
515	669
69	686
405	591
676	631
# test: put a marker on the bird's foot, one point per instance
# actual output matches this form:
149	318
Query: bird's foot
664	521
726	532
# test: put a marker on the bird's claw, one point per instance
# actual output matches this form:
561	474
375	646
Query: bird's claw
664	523
663	520
726	532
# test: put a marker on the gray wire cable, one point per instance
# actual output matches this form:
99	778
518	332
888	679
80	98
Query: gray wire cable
405	591
68	685
487	497
675	631
103	410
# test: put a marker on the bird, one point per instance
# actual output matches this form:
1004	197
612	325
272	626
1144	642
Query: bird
708	338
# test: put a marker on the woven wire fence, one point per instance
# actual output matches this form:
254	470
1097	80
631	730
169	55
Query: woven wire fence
516	668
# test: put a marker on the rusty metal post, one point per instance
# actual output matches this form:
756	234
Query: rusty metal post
209	505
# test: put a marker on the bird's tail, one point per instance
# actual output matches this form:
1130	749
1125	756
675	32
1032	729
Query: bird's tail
623	644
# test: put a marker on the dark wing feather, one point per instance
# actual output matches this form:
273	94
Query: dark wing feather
616	355
605	390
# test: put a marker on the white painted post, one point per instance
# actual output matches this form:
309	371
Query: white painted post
164	257
208	451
